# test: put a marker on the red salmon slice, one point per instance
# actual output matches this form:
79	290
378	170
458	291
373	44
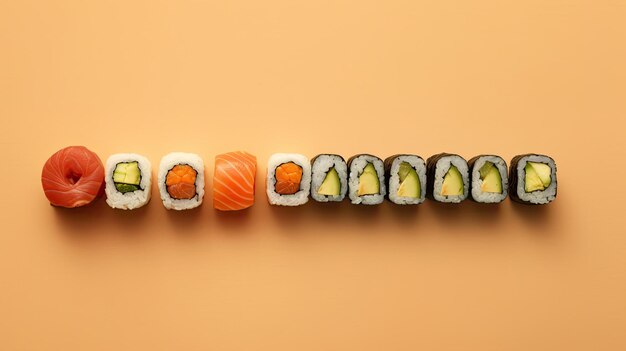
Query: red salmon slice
233	181
73	177
181	182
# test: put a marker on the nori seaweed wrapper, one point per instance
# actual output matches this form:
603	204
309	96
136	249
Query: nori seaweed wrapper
513	179
387	164
431	167
470	165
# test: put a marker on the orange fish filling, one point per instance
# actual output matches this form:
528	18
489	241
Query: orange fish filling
288	178
181	182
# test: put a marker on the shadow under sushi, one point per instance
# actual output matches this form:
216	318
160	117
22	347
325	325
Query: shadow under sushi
333	215
364	215
467	213
291	216
536	216
403	213
81	221
185	219
235	221
486	215
87	221
328	210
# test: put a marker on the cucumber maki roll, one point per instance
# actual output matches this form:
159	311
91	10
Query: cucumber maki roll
128	179
366	181
406	179
489	179
447	178
532	179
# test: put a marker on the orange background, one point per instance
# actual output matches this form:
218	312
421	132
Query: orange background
152	77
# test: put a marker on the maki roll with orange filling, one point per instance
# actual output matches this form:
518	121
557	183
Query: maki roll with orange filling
288	179
181	180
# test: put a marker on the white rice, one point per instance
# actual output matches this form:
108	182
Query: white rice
321	165
129	200
441	168
181	158
539	196
480	196
394	179
299	198
356	168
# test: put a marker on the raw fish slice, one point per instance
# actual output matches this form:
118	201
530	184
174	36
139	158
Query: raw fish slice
73	177
233	185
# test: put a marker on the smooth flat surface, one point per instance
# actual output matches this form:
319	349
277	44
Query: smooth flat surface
311	77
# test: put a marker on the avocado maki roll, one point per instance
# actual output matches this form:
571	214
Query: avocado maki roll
128	178
329	178
181	180
489	179
366	181
288	179
406	179
532	179
448	178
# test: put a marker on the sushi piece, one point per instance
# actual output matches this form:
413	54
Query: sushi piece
406	177
288	179
329	178
366	182
448	178
489	179
233	181
73	177
532	179
181	180
128	179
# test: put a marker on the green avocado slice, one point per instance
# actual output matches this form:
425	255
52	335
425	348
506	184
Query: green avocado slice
368	181
543	171
331	185
404	170
410	185
452	183
127	173
537	176
126	188
490	175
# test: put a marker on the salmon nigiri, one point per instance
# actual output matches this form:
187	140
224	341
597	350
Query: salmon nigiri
233	181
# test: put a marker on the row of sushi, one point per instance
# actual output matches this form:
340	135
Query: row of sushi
75	176
408	180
